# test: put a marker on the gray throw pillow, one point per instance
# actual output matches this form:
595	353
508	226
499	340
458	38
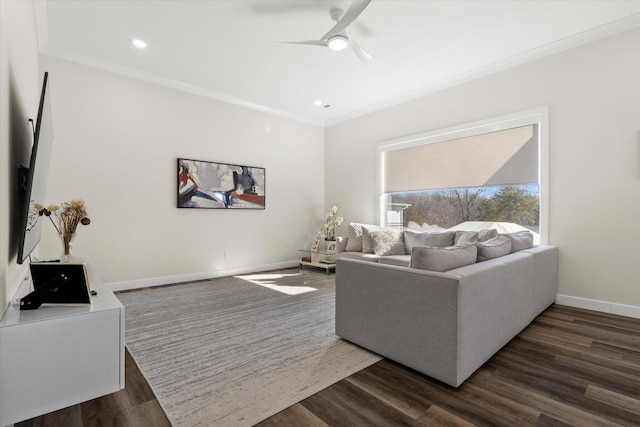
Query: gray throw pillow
493	248
435	240
443	259
387	241
520	240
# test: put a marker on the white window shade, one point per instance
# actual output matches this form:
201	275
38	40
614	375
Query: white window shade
506	157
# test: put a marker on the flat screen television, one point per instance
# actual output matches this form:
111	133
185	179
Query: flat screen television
34	187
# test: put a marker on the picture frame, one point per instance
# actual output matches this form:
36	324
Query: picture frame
215	185
315	246
331	247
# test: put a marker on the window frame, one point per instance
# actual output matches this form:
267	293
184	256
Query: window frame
536	116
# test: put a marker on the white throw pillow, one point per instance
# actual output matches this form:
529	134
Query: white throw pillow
387	241
354	238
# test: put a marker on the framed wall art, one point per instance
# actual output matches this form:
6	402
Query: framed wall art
211	185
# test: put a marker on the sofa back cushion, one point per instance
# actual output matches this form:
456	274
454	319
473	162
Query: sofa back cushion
493	248
435	240
520	240
442	259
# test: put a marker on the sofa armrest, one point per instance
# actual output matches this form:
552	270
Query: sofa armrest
545	258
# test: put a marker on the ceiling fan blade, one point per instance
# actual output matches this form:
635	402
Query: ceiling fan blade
356	8
308	42
360	52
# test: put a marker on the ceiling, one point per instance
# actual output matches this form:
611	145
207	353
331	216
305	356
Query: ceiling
225	49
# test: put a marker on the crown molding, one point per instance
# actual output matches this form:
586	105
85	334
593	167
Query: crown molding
576	40
549	49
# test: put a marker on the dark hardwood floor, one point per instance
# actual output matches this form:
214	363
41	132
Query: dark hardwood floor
569	367
135	405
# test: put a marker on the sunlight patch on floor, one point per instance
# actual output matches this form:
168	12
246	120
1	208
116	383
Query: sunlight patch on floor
270	280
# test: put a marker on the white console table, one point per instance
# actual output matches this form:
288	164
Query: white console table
58	356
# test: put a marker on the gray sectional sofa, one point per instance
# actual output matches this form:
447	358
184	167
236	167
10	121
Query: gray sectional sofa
445	323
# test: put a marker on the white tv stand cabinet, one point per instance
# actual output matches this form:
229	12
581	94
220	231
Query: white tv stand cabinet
57	356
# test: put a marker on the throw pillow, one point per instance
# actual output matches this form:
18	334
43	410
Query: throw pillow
367	243
464	238
437	240
443	259
520	240
487	234
387	241
354	238
493	248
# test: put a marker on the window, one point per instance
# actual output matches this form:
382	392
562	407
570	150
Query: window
493	170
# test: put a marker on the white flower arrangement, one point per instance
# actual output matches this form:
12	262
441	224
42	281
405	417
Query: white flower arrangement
332	222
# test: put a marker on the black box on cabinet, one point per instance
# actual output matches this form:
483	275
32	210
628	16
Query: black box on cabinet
57	283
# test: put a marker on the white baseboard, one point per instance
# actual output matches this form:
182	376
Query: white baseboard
168	280
606	307
588	304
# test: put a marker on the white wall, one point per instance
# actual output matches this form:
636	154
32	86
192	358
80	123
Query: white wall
117	140
593	94
20	82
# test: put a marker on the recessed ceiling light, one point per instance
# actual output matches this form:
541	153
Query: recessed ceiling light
141	44
317	102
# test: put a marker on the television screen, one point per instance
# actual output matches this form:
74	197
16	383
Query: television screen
35	190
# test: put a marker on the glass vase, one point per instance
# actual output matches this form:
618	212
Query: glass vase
67	242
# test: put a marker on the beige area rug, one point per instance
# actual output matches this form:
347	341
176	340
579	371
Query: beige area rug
233	351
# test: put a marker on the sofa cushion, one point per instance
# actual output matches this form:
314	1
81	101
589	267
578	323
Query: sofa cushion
520	240
359	256
435	240
494	248
442	259
387	241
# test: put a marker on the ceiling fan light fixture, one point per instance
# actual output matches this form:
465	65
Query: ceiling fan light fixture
338	42
140	44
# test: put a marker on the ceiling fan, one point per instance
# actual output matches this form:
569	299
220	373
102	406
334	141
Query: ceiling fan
338	38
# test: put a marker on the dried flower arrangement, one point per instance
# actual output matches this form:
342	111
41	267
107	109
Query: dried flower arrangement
68	215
